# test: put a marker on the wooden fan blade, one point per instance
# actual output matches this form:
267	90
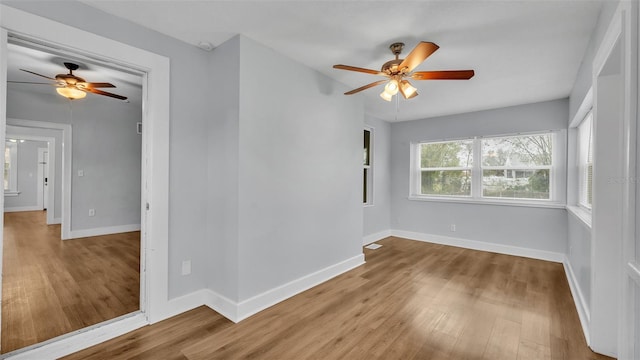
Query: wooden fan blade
30	82
94	85
31	72
419	54
443	75
100	92
358	69
365	87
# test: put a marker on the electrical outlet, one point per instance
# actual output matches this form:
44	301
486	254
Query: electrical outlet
92	212
80	173
186	267
453	227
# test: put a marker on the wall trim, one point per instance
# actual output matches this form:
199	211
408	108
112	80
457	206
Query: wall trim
238	311
579	299
74	234
22	208
371	238
481	245
81	339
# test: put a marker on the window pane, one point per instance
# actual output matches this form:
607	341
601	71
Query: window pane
516	183
447	154
446	182
7	166
364	186
517	151
367	146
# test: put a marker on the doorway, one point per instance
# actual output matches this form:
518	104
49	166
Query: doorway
79	268
155	301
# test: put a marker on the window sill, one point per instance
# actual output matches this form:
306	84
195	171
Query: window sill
11	193
537	204
580	214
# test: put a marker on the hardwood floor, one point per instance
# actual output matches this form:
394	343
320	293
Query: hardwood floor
51	287
411	300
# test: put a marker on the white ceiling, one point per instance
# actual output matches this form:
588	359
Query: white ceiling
50	62
522	51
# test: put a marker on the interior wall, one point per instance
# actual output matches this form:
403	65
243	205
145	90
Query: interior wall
377	217
584	77
299	174
27	176
190	112
222	171
525	227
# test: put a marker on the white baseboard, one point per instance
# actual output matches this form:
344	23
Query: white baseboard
81	339
177	306
237	312
22	208
74	234
371	238
56	221
579	300
481	245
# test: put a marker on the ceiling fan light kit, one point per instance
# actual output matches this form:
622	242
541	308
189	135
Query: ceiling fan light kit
398	69
74	87
71	93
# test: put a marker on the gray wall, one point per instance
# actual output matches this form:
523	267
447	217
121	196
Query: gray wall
285	171
222	171
27	175
377	217
300	200
585	72
579	235
527	227
190	112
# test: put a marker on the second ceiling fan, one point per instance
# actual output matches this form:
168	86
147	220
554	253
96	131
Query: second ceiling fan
399	70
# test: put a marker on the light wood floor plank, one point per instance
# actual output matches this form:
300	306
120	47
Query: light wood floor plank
410	301
52	287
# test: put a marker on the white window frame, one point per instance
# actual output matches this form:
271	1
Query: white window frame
420	169
12	190
556	198
368	170
583	163
574	208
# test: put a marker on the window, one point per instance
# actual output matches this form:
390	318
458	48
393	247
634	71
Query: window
10	166
445	168
585	161
516	168
368	169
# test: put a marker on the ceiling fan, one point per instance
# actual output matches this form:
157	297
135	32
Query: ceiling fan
399	70
74	87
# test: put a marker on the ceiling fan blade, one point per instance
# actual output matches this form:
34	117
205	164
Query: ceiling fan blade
443	75
100	92
365	87
31	72
422	51
30	82
94	85
358	69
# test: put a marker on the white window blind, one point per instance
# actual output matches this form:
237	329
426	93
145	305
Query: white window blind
585	161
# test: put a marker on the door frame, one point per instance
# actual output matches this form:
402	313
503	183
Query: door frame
51	148
155	304
43	178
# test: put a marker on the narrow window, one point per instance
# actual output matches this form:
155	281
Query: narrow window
11	166
368	169
585	161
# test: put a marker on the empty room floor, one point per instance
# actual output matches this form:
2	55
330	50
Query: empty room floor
411	300
52	287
